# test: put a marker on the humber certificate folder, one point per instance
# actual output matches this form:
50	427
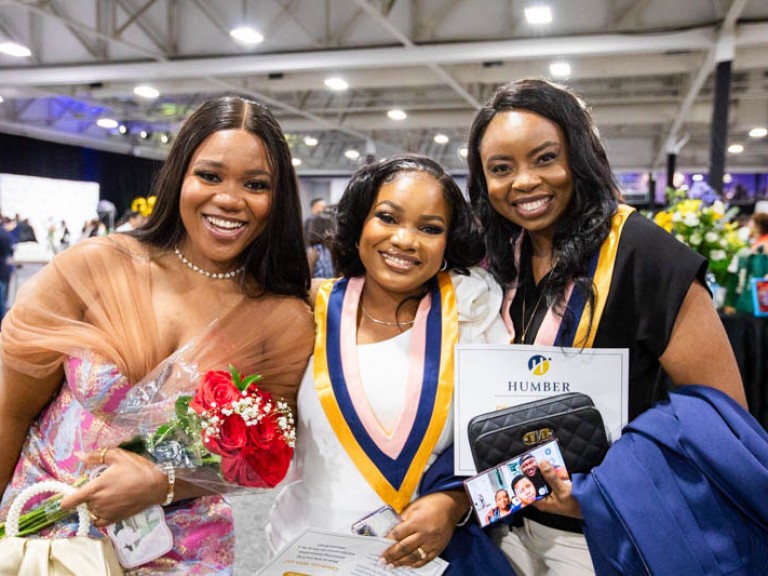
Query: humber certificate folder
491	377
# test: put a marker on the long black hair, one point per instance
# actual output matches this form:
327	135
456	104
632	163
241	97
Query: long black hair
464	246
276	259
587	221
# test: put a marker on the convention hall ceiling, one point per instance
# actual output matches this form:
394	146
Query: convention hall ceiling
646	67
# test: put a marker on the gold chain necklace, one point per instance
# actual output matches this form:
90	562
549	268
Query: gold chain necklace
538	301
384	322
533	313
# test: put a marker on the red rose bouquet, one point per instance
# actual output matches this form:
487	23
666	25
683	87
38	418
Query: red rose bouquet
229	433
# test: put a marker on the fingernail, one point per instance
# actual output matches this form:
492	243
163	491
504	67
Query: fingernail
382	562
545	466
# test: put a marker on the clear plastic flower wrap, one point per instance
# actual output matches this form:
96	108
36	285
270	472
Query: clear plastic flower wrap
219	429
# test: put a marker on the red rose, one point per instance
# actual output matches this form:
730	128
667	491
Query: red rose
232	436
215	391
265	433
258	468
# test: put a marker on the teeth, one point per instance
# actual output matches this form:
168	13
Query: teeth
401	262
531	206
221	223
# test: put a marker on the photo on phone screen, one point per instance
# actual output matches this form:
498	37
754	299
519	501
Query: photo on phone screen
514	484
377	523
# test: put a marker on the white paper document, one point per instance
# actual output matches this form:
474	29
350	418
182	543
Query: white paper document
491	377
316	552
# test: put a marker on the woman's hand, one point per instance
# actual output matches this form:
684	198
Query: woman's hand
427	526
560	501
129	485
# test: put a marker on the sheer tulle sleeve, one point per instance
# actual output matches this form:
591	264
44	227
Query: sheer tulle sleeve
96	296
93	296
272	336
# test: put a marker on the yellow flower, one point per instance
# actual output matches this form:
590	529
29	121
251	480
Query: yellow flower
664	219
709	230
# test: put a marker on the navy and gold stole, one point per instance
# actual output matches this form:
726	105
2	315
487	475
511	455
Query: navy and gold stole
393	477
553	331
601	268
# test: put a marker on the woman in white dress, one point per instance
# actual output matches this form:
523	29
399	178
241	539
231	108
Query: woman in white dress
375	406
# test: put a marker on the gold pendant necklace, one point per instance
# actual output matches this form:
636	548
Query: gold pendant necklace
538	301
533	313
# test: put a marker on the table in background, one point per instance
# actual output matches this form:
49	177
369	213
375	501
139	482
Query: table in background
749	338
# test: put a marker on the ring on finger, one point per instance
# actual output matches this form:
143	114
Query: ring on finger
103	454
422	554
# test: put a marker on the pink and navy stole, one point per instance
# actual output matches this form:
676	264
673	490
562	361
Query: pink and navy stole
553	332
391	463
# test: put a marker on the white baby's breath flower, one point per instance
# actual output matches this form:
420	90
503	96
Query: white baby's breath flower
711	237
695	239
691	219
717	255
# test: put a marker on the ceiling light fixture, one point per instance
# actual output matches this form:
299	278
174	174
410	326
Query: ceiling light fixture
145	135
463	152
538	14
397	114
123	129
296	161
352	154
310	140
336	83
107	123
697	177
560	69
441	139
146	91
246	35
15	49
164	138
758	132
735	149
1	98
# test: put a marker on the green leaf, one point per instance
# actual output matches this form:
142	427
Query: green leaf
182	410
236	377
250	380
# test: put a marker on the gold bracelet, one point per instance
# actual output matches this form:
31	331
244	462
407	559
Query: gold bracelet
168	469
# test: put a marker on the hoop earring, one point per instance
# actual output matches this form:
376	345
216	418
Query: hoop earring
445	265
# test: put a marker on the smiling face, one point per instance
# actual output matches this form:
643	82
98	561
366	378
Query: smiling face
529	466
525	163
225	198
502	500
404	235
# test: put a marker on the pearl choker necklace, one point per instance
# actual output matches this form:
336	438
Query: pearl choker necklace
206	273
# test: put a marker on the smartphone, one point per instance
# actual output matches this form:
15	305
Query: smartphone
377	523
513	484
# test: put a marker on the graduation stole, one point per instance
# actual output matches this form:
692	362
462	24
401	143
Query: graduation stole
391	463
552	332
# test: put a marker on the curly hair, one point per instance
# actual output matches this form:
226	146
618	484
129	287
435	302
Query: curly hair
464	247
276	259
586	223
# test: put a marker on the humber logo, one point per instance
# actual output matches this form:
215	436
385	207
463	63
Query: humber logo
538	365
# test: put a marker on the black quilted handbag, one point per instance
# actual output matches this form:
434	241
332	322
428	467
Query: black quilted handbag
571	418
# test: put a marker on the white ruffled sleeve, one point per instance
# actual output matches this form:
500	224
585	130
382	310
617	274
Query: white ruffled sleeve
478	299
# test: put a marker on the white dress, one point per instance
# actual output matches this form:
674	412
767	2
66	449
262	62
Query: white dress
324	488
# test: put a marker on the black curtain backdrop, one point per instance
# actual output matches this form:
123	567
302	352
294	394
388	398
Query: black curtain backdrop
121	177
